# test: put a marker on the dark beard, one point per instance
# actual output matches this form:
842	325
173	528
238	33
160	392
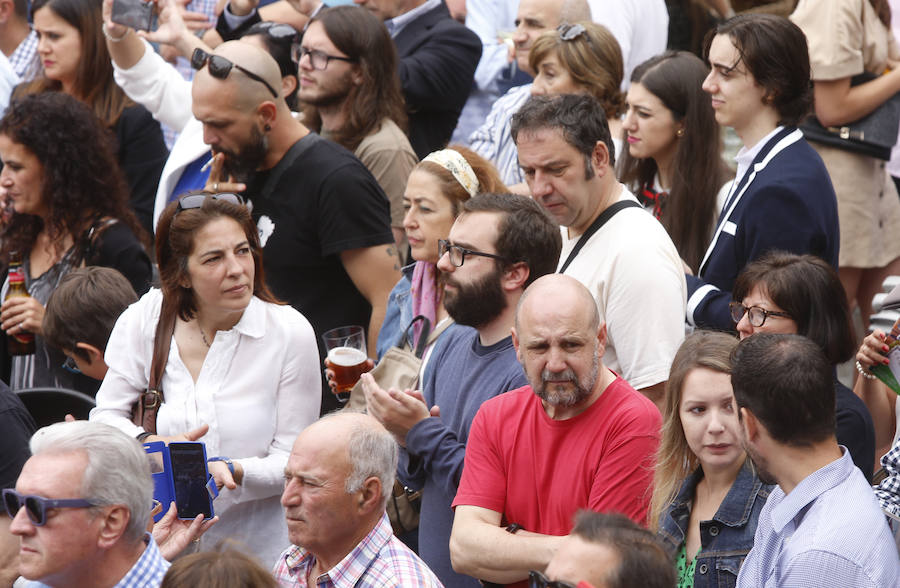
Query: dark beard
559	395
477	304
764	475
241	165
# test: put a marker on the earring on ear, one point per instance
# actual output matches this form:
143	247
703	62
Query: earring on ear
267	128
679	133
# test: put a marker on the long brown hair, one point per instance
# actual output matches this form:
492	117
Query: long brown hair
698	172
175	240
361	36
674	459
883	10
94	84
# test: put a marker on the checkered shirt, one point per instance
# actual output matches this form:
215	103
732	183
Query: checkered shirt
24	60
380	560
888	492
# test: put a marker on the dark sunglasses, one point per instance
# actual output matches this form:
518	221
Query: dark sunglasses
196	200
219	68
276	30
36	506
539	580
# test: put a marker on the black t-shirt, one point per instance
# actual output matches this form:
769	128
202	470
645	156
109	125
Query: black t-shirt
17	426
326	202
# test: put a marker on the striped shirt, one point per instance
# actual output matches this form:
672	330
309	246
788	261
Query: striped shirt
380	560
829	526
493	140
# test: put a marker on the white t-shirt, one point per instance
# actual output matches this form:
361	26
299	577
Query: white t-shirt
258	388
640	26
634	272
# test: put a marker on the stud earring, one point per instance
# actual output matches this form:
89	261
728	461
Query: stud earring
679	133
267	128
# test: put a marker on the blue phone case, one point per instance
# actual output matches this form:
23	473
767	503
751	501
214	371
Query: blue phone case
163	479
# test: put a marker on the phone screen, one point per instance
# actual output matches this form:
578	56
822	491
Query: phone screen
189	475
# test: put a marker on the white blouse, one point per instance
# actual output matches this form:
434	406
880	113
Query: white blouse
259	386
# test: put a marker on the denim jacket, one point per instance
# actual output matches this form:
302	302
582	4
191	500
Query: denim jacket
397	314
727	538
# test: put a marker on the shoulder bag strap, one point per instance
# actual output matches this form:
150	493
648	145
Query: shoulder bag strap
595	226
152	398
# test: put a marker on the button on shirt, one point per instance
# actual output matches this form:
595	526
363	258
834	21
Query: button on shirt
380	560
830	526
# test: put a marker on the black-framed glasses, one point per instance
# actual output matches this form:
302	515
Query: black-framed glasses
219	67
458	254
539	580
36	506
196	200
570	32
318	59
70	366
755	314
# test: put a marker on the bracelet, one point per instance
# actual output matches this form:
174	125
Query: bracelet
227	461
141	436
513	527
107	34
864	372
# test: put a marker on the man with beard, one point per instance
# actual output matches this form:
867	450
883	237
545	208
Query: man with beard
578	437
822	525
498	246
323	220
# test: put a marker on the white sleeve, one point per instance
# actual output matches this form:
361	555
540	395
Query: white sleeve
158	87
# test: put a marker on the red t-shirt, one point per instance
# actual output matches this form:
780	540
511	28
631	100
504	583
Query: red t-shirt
538	472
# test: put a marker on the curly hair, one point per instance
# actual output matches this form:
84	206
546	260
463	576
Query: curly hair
82	181
94	84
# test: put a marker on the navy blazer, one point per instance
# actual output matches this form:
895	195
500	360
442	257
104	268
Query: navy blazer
785	201
438	57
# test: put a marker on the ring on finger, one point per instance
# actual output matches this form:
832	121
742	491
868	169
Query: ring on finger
216	187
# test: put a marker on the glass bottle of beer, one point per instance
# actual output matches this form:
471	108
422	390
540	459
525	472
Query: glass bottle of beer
21	343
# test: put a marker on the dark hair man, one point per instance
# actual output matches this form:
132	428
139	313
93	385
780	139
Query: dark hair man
822	521
499	244
627	261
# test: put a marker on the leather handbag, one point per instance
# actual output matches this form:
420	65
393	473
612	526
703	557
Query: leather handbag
873	135
145	409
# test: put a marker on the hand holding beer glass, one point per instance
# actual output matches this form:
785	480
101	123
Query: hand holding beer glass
347	359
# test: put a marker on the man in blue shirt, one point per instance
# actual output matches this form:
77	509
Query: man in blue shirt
497	247
822	525
98	536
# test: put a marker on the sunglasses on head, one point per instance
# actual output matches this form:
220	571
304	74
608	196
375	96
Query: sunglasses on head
539	580
196	200
36	506
570	32
219	68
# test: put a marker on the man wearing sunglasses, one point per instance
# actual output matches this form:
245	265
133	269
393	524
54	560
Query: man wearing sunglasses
324	222
578	437
18	427
80	509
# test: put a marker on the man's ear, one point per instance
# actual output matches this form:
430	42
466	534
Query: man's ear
6	10
750	425
112	526
600	158
94	354
601	339
369	496
515	276
289	85
515	342
267	112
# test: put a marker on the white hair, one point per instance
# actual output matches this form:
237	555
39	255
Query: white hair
117	472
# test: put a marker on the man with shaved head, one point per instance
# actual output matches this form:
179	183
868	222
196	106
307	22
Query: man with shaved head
323	220
578	437
336	485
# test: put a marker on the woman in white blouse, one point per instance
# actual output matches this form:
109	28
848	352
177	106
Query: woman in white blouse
239	363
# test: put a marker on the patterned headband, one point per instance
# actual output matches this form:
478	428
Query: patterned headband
457	165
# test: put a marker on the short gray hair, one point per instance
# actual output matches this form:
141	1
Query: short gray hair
118	470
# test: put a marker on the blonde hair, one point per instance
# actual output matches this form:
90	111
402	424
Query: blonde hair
593	59
674	459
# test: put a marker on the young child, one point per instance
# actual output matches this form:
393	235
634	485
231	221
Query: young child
81	313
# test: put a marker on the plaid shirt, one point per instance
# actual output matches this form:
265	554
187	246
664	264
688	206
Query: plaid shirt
380	560
24	60
888	492
147	571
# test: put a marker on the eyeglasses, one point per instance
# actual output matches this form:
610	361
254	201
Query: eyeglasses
539	580
36	506
196	200
458	254
70	366
570	32
219	68
756	315
318	59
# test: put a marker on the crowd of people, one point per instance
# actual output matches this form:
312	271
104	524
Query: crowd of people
600	353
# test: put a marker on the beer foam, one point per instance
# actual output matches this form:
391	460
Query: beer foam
346	356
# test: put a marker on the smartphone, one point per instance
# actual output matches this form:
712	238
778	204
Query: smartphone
190	477
137	14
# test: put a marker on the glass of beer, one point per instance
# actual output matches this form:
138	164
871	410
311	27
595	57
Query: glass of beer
347	358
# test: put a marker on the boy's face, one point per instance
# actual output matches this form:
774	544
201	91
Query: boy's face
94	367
